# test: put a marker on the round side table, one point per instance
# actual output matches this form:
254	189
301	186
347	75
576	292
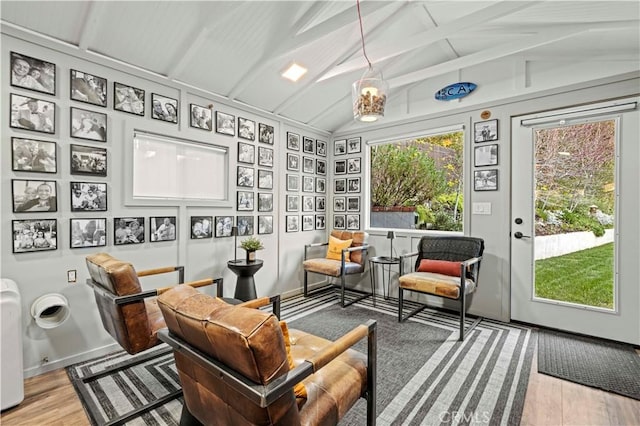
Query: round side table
245	284
382	260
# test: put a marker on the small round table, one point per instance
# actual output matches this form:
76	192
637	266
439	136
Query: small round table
245	284
382	260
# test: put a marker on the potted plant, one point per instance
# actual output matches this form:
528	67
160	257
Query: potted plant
251	245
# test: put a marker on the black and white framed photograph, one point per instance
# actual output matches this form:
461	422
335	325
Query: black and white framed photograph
88	88
200	117
293	141
265	156
321	204
245	201
265	225
88	160
339	221
308	203
339	204
485	180
88	196
321	167
162	228
293	203
307	183
88	232
265	179
307	222
224	226
292	223
353	165
128	230
321	221
33	74
34	235
226	123
340	167
307	164
353	204
265	202
88	125
34	195
246	129
486	155
354	145
164	108
353	184
245	226
321	148
340	147
293	182
246	153
32	155
201	227
293	162
340	186
308	145
32	114
265	133
321	185
485	131
353	222
246	176
128	99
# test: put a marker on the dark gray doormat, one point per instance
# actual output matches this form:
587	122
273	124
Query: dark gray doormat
610	366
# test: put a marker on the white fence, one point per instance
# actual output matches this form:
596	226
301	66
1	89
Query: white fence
556	245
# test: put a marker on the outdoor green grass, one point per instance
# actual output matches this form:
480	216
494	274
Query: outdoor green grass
584	277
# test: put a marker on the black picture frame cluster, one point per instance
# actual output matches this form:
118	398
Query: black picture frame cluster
485	155
346	207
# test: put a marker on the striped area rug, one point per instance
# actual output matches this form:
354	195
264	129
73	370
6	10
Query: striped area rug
425	376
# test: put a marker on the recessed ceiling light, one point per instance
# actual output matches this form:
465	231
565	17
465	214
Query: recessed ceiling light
294	72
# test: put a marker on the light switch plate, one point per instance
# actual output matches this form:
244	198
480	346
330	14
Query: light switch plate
71	276
481	208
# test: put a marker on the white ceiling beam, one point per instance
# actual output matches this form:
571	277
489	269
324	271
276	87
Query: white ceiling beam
91	23
184	57
455	27
316	9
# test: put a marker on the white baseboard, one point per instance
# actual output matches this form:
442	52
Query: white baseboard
64	362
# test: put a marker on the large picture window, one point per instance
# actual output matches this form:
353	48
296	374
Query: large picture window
417	183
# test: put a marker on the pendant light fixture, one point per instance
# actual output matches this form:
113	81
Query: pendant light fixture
369	94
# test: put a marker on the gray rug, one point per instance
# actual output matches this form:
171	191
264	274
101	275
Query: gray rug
425	376
610	366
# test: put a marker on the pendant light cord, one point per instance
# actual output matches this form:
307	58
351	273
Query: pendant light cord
362	34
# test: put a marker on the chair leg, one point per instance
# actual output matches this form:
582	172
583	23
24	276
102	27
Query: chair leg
304	287
400	303
342	290
463	315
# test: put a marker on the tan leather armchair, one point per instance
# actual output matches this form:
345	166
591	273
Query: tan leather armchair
234	368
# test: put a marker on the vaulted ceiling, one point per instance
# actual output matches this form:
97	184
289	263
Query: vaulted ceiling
238	49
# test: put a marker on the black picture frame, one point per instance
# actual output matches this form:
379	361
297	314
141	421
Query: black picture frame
27	238
245	225
485	155
321	167
308	203
321	185
265	202
321	148
201	227
164	108
88	160
224	226
293	203
265	156
87	232
246	177
353	222
246	153
32	114
128	99
200	117
353	204
265	225
34	195
128	230
34	155
265	179
88	125
226	123
293	162
266	133
88	88
340	167
88	196
245	201
354	145
485	180
340	186
321	221
246	129
292	223
353	165
32	73
321	203
339	204
293	141
293	182
307	164
339	221
308	145
162	228
485	131
340	147
307	222
353	185
307	184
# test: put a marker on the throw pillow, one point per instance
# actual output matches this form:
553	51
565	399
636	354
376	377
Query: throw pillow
440	267
299	389
335	249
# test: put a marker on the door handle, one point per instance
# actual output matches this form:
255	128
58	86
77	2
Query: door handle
519	235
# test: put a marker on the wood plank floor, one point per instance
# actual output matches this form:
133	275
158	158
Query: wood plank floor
51	400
